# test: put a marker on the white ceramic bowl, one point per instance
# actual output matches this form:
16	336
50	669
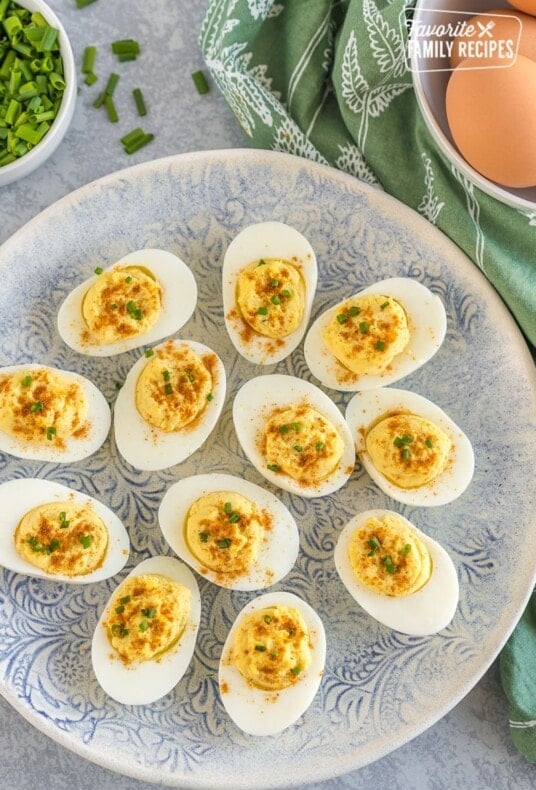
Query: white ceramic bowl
34	158
430	89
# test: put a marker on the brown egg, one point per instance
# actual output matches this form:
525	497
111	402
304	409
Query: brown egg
528	6
481	47
492	117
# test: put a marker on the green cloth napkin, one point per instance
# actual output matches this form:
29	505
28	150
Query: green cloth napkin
327	80
518	675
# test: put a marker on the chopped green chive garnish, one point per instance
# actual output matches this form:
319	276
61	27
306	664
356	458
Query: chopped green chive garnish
298	448
149	352
191	377
135	140
428	442
286	293
379	345
128	279
262	311
267	619
210	397
224	543
384	305
296	426
64	521
200	82
111	85
124	632
125	599
342	318
296	670
234	518
260	648
273	467
140	103
116	628
374	545
150	613
133	311
354	310
144	625
275	300
283	429
390	567
26	381
203	537
274	653
364	327
261	262
168	389
99	270
113	117
274	283
88	60
91	79
51	432
83	3
166	375
406	453
86	541
119	609
38	547
405	550
319	446
126	46
37	406
227	507
402	441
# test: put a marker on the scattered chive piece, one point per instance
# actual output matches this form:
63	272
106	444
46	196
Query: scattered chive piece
166	375
51	432
234	518
405	550
374	545
342	318
261	262
364	327
210	396
296	670
168	389
119	609
286	293
354	310
224	543
384	305
319	446
133	311
140	103
26	381
139	143
149	352
262	311
124	631
83	3
144	625
125	599
283	429
274	283
113	79
126	46
298	448
150	613
64	521
267	619
128	279
260	648
203	537
227	507
113	117
275	300
191	377
428	442
296	426
91	79
406	453
99	101
379	345
37	406
390	567
88	60
99	270
86	541
200	82
273	467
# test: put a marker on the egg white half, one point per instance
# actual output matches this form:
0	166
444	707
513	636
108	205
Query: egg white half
266	240
259	712
148	448
179	298
19	496
421	613
279	546
252	406
76	449
365	408
427	324
147	681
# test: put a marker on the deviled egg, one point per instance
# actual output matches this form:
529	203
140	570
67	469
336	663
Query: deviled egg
377	336
412	450
170	402
269	278
272	663
47	414
145	637
294	435
51	531
232	532
146	296
399	575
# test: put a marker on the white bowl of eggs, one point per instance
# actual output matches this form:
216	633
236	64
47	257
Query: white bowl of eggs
43	90
475	88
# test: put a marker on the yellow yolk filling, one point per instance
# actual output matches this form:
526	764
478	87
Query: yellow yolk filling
270	296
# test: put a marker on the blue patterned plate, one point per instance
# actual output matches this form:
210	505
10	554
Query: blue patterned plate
380	688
